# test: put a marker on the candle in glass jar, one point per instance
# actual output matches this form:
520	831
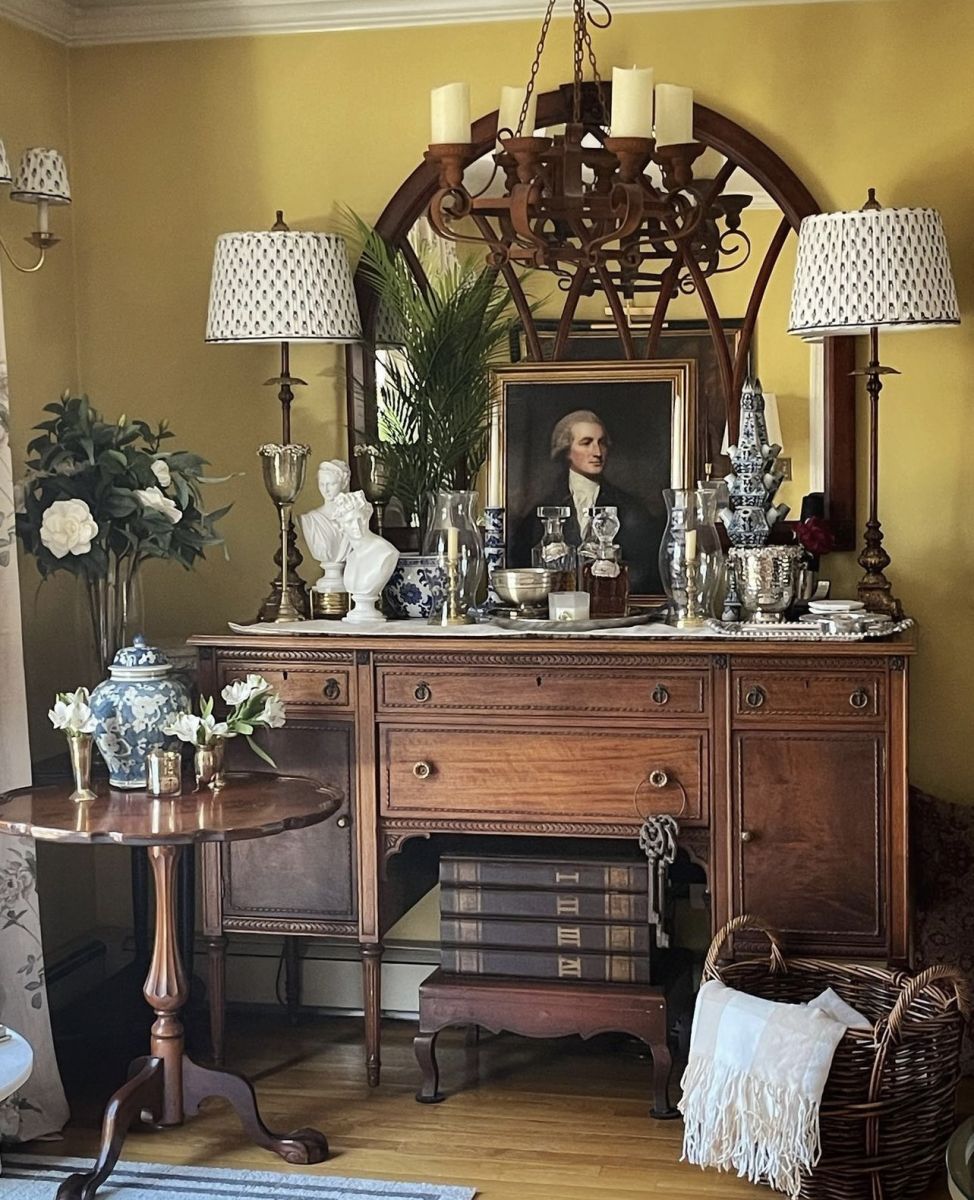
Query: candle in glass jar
632	102
450	114
674	115
691	545
452	544
568	606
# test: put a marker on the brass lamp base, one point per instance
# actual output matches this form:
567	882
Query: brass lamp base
291	605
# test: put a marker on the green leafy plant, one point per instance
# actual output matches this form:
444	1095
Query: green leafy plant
433	391
99	498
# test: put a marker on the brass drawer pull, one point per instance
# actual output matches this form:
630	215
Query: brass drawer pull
422	770
332	689
343	822
423	692
859	699
658	778
755	697
661	694
747	835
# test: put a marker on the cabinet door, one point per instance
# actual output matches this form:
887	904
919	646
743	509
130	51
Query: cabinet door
304	876
809	833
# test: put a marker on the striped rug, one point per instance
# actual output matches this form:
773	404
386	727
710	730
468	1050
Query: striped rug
28	1177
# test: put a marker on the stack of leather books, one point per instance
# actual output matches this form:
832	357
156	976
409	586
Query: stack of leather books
545	918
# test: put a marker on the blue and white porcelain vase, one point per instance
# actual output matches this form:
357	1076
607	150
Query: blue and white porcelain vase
415	587
132	708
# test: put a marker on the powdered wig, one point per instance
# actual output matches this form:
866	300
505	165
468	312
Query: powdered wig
561	435
351	504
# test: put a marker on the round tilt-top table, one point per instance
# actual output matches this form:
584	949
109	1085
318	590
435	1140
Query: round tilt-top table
16	1063
166	1085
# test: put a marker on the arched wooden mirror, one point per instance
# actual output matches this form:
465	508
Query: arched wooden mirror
727	311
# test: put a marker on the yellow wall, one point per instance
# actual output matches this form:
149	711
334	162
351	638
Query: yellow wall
175	143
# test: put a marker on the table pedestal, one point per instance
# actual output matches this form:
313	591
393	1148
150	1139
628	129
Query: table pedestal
166	1086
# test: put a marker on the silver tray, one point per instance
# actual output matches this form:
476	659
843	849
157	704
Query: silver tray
795	631
638	616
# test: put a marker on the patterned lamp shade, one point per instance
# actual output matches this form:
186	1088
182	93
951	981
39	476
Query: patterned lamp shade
282	286
41	175
4	165
881	268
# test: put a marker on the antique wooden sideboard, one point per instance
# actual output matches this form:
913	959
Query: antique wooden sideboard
786	762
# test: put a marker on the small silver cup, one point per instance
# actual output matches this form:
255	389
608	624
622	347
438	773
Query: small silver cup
165	772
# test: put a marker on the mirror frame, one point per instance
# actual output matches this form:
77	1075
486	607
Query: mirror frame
742	149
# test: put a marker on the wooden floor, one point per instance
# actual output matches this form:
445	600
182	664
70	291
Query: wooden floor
525	1120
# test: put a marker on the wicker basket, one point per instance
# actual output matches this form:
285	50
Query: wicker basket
888	1107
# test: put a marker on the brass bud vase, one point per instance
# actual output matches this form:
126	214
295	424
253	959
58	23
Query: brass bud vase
79	748
208	762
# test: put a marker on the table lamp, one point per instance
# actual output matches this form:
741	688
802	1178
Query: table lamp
283	286
859	273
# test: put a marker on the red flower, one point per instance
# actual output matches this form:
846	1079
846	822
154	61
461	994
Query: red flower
815	534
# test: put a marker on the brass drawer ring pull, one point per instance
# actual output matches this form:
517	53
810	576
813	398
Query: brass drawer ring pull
659	780
755	697
422	770
423	692
859	699
332	689
661	694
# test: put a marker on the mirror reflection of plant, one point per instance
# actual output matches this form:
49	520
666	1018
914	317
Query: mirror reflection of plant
433	390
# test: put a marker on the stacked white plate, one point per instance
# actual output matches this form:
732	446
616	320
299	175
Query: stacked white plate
831	608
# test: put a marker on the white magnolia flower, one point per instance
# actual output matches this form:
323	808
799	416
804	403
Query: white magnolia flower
160	468
72	713
184	726
273	715
153	498
243	690
68	527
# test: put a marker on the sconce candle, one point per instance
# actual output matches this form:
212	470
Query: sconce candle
509	113
674	115
632	102
450	114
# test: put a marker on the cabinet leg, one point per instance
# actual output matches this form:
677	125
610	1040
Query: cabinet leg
372	999
662	1066
424	1047
217	990
292	978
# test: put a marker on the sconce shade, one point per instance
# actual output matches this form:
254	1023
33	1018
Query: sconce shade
279	286
880	268
4	165
41	175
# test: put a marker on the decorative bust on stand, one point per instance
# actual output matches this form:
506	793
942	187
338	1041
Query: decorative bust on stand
327	541
371	559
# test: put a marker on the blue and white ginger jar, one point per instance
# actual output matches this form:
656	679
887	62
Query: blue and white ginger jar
132	708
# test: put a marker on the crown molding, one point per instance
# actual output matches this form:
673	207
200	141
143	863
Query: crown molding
101	22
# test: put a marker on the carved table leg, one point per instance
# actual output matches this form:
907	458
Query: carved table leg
292	977
424	1047
143	1092
372	999
303	1146
662	1066
216	994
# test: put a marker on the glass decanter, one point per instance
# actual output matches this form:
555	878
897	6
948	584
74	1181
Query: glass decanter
553	552
690	558
605	576
454	538
588	547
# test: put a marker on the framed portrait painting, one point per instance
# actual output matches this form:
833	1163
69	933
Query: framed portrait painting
578	434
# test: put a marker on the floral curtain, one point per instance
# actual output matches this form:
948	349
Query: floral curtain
39	1107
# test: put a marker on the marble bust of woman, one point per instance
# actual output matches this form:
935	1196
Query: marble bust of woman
322	532
371	559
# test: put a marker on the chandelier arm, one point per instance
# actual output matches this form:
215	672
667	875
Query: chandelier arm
572	297
631	208
667	286
771	255
16	265
720	181
510	276
724	364
535	66
618	311
729	250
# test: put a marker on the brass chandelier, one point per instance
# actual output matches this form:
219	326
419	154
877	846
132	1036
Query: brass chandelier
612	203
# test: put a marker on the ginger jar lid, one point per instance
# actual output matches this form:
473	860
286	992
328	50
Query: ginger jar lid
140	661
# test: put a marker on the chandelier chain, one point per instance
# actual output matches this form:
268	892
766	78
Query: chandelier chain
578	54
599	84
535	66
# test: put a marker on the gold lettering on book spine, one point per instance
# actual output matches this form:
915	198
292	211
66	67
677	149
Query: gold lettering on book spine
567	906
569	935
569	968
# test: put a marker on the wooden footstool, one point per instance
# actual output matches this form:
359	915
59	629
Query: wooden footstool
543	1009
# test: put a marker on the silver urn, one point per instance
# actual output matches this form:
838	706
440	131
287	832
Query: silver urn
767	578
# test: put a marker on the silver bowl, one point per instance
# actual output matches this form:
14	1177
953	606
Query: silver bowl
525	587
768	579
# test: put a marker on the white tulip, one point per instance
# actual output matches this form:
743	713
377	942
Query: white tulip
68	527
242	690
160	468
184	726
153	498
273	715
72	713
212	729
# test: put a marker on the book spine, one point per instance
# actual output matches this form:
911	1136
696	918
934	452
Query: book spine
509	902
527	964
555	876
546	935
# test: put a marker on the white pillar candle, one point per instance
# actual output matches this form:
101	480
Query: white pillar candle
674	115
450	114
632	102
509	113
42	225
452	543
691	545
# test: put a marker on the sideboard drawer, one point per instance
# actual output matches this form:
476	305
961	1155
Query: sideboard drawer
567	691
303	686
564	775
762	695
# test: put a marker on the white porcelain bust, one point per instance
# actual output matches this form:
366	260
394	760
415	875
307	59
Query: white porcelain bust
320	527
371	559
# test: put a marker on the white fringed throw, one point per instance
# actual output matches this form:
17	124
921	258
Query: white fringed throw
754	1081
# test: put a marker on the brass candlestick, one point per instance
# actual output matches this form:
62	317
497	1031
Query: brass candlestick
451	612
694	614
284	470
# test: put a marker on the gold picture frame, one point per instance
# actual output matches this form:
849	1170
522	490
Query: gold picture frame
648	411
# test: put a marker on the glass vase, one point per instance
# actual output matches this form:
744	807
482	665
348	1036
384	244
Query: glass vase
691	560
114	608
454	538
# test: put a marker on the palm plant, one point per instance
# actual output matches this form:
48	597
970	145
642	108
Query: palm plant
433	392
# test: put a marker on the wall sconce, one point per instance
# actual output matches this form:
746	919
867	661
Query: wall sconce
41	179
